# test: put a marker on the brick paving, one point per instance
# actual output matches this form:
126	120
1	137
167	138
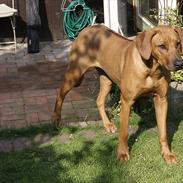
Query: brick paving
29	83
21	143
40	139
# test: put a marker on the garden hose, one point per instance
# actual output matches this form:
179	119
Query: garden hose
77	16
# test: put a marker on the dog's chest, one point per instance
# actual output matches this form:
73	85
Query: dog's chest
149	84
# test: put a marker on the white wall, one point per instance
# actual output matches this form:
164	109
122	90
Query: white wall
167	3
111	14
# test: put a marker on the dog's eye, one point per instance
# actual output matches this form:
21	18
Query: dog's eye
162	46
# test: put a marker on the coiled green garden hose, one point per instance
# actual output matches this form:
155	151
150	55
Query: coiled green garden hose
77	16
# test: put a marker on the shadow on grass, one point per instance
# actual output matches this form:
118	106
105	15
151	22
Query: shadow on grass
148	122
29	131
39	165
174	121
104	158
54	164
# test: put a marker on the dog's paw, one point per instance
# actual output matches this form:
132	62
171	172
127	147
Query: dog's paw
56	120
123	155
170	158
110	127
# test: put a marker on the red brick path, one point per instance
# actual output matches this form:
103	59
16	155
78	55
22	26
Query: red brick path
28	87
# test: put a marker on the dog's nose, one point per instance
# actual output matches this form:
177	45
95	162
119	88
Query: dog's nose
178	64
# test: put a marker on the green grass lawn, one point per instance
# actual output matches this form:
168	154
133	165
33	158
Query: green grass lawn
84	160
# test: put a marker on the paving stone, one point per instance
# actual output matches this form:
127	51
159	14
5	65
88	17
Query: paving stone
83	124
88	134
15	124
67	107
83	104
44	115
5	145
14	101
70	116
21	143
76	96
29	101
50	57
31	118
132	129
34	93
12	70
3	70
63	138
43	139
12	117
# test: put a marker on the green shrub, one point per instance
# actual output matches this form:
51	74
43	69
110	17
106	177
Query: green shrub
177	76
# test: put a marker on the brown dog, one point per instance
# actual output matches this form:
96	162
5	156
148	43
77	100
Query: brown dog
137	66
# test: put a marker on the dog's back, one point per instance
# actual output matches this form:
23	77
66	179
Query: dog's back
103	47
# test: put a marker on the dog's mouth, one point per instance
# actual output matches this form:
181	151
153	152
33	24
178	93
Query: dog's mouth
178	68
169	67
179	64
175	66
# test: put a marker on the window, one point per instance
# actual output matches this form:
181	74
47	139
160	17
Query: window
147	8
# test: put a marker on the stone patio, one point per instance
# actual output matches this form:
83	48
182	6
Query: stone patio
29	83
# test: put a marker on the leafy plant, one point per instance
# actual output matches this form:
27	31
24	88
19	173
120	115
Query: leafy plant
168	16
177	76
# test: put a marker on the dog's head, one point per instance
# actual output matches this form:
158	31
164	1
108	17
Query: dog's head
164	43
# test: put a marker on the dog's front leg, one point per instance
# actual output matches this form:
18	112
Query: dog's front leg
122	152
161	107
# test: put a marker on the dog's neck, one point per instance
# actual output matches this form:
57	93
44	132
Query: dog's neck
156	69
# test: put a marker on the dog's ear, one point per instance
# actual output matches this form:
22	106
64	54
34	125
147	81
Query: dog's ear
143	43
180	33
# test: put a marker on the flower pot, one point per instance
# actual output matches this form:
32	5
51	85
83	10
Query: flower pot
175	97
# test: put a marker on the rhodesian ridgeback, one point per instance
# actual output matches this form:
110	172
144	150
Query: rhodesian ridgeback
137	66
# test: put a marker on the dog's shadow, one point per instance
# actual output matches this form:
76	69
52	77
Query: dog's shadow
148	121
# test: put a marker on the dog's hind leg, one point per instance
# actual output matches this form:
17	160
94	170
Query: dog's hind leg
105	87
72	77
